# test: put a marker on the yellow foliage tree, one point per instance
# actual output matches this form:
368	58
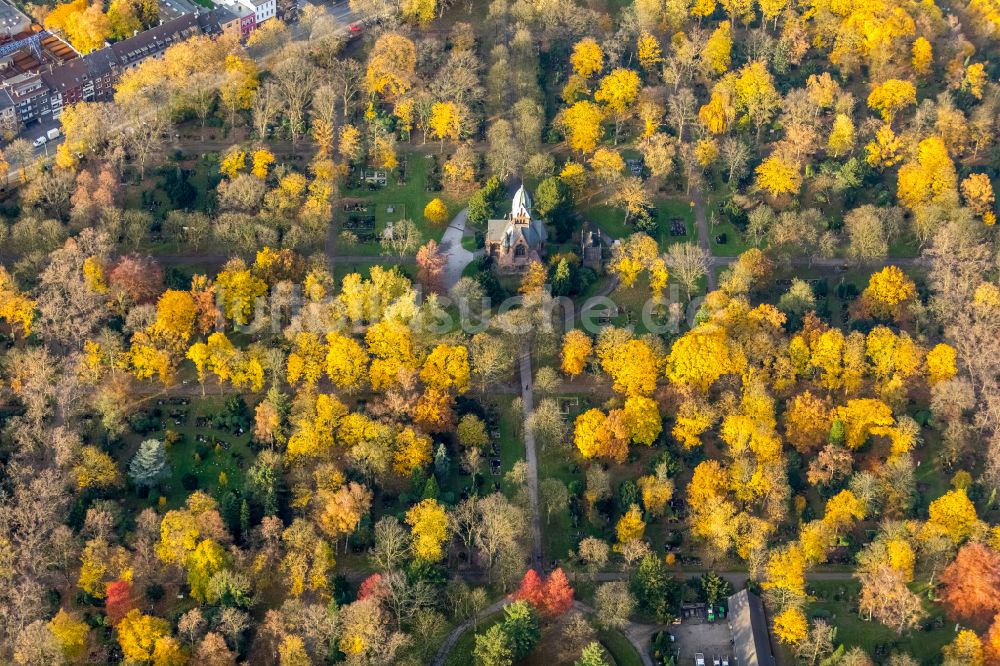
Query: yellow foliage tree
885	150
648	49
234	161
891	97
631	526
864	417
718	49
977	190
965	649
582	123
842	510
429	523
923	56
974	80
785	572
587	57
618	92
138	634
446	121
778	176
412	451
690	422
576	350
71	634
15	308
307	360
941	363
790	626
841	140
632	365
446	368
954	514
887	291
96	469
436	212
346	362
807	422
391	66
701	356
175	314
602	435
643	416
931	178
390	346
262	161
207	559
657	489
636	253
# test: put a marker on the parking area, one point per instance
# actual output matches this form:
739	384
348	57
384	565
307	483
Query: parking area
713	640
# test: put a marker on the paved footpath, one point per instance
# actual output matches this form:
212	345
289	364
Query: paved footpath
531	456
451	243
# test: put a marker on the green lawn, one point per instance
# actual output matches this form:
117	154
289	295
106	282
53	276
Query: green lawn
461	653
407	201
836	603
620	648
612	220
222	451
734	246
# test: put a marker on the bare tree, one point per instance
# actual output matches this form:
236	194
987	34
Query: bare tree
688	263
264	108
392	544
296	80
346	78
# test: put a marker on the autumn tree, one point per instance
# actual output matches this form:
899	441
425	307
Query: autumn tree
391	66
429	523
582	124
971	584
617	92
977	190
931	178
778	176
587	57
576	350
436	212
891	96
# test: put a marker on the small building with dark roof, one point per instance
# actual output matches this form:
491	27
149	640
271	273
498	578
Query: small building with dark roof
748	624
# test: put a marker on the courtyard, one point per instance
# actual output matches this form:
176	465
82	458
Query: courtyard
712	639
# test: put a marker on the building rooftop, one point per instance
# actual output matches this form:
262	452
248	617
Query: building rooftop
150	42
751	639
12	21
67	76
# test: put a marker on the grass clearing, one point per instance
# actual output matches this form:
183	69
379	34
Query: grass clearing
612	220
836	602
222	451
396	201
620	648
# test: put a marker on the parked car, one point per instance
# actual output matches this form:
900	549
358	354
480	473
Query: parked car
40	141
52	133
725	661
699	659
716	661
